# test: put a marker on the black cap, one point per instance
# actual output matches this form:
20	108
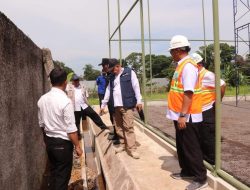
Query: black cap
105	61
75	77
113	62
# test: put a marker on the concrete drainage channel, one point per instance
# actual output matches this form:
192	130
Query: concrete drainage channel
95	179
86	172
91	177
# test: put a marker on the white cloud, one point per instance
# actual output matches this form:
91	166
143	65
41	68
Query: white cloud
77	31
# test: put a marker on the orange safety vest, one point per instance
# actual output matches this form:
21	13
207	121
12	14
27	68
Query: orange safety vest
176	93
208	92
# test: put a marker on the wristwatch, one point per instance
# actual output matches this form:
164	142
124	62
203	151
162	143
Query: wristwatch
182	115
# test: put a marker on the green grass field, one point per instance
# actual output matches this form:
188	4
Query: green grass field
243	90
230	91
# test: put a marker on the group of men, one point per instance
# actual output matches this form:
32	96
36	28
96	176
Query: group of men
190	105
62	108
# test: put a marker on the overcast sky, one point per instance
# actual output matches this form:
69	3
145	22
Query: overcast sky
77	31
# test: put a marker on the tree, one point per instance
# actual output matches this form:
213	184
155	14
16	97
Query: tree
226	54
134	60
232	78
90	73
63	66
160	63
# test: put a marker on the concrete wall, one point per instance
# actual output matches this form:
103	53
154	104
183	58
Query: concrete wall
22	82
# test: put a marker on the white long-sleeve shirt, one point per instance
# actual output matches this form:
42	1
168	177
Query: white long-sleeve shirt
79	99
56	114
117	94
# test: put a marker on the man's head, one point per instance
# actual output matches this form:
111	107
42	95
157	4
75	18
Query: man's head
198	60
58	78
114	66
105	64
75	80
179	47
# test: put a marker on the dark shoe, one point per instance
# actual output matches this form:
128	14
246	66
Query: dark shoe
196	185
181	176
104	127
116	141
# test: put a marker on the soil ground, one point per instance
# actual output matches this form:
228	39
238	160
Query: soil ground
235	129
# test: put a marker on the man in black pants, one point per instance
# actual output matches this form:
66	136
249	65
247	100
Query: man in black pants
78	95
207	130
56	119
105	68
185	109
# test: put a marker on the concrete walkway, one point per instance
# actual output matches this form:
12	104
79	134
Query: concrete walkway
151	172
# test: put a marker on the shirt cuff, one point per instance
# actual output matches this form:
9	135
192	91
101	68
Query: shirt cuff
189	89
71	129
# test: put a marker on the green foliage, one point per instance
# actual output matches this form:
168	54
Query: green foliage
169	72
227	55
90	73
162	67
69	76
159	65
243	90
234	76
63	66
134	60
93	101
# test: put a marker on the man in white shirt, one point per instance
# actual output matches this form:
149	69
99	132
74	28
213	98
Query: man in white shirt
56	119
207	130
78	95
123	92
185	109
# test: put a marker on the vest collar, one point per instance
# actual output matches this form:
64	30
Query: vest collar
183	59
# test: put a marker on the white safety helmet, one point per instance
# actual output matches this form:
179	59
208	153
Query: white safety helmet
178	41
196	57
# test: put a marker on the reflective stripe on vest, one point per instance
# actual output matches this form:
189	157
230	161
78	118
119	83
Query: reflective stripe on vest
208	93
176	93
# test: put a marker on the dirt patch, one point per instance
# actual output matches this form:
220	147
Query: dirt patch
235	134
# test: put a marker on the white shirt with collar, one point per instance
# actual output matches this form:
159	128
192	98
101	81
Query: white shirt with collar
189	79
117	94
79	99
56	114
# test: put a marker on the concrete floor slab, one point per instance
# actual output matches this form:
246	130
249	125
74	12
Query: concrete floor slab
151	172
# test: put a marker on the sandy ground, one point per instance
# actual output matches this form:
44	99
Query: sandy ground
235	134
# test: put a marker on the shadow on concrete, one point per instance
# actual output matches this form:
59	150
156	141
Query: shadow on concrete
170	164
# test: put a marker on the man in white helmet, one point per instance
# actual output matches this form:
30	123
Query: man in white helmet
185	109
207	130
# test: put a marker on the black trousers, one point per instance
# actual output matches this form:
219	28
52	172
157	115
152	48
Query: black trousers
101	97
207	132
189	151
90	113
60	154
111	113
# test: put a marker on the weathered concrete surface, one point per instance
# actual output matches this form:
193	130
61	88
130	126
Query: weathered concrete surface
151	171
22	82
235	131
